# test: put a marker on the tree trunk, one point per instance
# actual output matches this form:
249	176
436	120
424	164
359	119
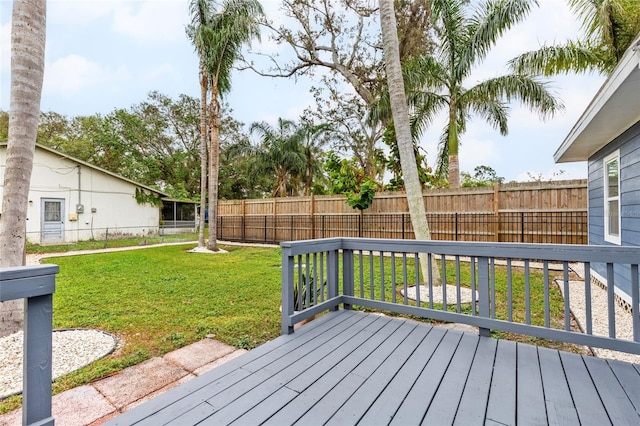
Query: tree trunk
28	32
203	151
404	139
454	171
454	164
214	161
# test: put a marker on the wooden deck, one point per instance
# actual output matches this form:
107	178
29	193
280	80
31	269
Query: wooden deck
354	368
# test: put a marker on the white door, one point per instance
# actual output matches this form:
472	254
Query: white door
52	226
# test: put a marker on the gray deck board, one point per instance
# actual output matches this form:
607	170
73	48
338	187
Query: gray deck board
350	367
446	400
415	405
317	390
613	396
327	406
530	407
560	408
358	403
235	401
629	379
396	390
501	408
473	403
585	396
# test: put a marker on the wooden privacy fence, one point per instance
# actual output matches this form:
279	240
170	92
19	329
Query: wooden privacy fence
549	212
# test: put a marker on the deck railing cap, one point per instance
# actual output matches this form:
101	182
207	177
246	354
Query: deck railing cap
18	272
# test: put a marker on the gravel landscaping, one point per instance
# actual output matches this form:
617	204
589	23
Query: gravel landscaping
71	350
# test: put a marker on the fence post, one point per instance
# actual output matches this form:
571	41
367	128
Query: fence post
403	236
496	211
313	217
106	238
243	234
483	293
275	221
456	226
522	227
265	229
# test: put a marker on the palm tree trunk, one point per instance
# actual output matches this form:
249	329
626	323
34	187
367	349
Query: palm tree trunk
454	171
214	163
454	164
28	34
404	139
203	150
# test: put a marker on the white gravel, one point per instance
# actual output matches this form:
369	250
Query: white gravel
452	295
71	350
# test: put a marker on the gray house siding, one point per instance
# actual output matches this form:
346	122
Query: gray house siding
629	168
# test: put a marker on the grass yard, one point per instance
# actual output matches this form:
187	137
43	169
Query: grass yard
162	298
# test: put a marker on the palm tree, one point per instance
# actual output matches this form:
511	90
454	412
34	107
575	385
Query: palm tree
312	140
609	28
28	31
438	82
199	32
400	111
281	154
227	31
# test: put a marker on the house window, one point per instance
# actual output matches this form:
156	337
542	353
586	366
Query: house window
612	198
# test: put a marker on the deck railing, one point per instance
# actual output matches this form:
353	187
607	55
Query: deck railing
35	284
517	288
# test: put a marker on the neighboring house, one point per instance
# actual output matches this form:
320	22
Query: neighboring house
607	135
71	200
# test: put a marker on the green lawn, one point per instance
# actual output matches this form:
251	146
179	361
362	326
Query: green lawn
162	298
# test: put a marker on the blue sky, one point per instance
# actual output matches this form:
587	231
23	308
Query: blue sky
108	54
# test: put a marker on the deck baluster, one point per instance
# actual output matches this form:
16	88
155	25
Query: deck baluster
483	292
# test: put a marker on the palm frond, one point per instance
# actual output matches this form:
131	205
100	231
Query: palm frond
488	24
563	59
517	87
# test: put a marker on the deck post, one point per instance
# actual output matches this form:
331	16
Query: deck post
36	363
287	290
483	293
347	275
34	284
332	275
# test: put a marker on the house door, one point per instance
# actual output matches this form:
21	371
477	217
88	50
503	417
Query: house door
52	226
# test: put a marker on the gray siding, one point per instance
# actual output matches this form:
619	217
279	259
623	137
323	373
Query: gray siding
629	145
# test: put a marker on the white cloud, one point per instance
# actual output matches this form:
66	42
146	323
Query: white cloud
156	21
80	12
74	73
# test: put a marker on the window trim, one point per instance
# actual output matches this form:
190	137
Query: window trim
611	238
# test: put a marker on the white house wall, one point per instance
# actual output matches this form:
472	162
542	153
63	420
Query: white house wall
109	203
